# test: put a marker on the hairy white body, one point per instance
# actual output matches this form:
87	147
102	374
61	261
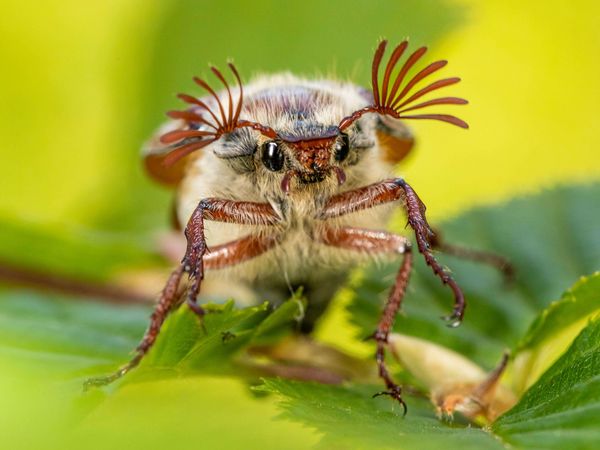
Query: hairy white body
300	258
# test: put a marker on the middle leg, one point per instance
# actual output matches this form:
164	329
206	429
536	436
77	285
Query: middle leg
373	242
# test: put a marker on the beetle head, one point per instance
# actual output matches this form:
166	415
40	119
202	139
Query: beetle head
315	153
310	152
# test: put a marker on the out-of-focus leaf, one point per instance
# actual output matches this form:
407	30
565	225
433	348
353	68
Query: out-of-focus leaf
561	410
65	336
554	330
49	344
552	239
77	339
74	252
579	302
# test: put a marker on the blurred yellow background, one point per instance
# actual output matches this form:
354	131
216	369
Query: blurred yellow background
83	84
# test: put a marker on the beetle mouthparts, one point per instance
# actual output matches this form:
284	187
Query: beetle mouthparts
340	174
311	177
285	183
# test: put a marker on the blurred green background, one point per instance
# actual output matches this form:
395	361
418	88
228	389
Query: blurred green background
83	85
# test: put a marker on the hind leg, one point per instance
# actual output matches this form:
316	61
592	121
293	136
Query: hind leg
498	262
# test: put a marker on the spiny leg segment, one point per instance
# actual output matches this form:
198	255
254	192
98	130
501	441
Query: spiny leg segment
373	242
376	194
398	190
196	257
165	303
498	262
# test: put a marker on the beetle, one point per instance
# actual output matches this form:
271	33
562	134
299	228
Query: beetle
290	181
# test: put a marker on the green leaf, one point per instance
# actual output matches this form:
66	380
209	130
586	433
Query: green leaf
562	410
65	336
188	342
49	344
349	418
578	303
80	339
554	330
74	252
189	345
287	313
551	238
71	340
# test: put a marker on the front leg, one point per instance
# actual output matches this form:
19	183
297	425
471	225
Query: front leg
398	190
243	213
197	254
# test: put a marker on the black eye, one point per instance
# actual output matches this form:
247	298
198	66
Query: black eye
342	147
272	156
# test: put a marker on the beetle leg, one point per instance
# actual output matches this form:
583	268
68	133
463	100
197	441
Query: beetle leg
495	260
371	242
196	256
165	303
393	190
244	213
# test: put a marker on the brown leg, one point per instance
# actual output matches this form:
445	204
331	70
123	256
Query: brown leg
394	190
167	299
193	263
247	213
371	241
498	262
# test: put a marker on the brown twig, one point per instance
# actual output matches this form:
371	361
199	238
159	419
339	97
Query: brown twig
27	277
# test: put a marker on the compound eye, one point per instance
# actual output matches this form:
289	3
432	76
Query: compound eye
342	148
272	156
